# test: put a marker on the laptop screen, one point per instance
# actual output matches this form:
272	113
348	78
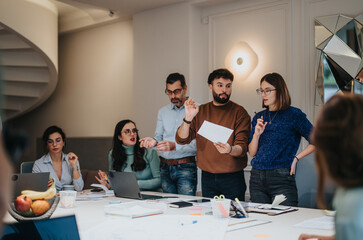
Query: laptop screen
29	181
124	184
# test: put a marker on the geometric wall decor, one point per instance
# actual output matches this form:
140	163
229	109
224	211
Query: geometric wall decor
339	54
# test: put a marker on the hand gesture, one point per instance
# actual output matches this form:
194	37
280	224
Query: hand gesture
260	126
191	109
293	166
50	182
147	142
223	148
103	179
72	159
313	236
165	146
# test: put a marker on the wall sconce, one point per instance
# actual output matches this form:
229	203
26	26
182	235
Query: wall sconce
241	60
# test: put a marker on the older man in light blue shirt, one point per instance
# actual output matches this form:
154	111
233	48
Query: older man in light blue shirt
178	166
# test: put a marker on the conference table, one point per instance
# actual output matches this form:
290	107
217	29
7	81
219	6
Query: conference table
91	219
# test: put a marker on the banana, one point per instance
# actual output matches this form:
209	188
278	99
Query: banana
35	195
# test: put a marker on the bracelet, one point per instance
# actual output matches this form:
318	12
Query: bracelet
156	141
187	122
77	169
231	150
297	158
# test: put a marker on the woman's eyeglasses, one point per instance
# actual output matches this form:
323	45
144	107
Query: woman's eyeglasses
176	91
129	131
51	141
267	91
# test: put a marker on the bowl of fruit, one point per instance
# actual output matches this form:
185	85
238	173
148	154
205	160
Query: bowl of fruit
34	205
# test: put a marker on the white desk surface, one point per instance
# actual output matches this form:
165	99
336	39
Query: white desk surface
90	213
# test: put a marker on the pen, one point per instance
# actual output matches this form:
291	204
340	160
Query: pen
240	205
106	178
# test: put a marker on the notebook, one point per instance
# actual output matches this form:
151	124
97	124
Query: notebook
124	185
29	181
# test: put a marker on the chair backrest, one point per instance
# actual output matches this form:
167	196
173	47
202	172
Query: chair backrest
26	167
307	182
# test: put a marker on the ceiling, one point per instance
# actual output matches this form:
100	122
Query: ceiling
79	14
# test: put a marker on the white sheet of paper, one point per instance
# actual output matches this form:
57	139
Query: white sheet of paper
214	132
325	223
159	227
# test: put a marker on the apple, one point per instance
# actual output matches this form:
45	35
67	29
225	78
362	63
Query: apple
23	203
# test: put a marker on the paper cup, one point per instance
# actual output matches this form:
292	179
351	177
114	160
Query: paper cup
67	198
221	207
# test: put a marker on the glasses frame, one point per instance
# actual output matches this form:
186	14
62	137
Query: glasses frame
267	91
175	92
129	131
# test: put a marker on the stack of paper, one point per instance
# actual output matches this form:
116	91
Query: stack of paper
132	210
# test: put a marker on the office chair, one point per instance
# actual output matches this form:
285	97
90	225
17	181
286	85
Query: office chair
26	167
307	184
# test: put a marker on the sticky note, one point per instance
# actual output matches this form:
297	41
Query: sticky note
196	208
262	235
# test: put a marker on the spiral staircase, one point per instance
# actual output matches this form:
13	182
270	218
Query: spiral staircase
28	54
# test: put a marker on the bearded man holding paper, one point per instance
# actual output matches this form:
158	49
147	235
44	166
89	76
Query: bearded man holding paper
221	162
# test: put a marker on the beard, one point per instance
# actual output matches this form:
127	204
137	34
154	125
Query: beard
177	101
218	99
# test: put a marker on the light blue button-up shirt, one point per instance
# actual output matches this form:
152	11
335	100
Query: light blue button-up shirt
170	118
45	164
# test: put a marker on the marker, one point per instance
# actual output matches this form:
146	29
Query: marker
242	208
114	202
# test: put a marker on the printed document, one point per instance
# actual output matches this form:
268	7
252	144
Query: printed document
214	132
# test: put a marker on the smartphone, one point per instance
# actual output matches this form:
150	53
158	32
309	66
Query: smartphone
96	190
202	200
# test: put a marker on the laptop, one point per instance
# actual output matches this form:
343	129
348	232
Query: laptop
124	185
29	181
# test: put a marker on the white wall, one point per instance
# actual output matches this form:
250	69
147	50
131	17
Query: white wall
161	46
95	86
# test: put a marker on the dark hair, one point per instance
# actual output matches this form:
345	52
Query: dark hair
50	130
339	143
174	77
119	154
282	93
220	73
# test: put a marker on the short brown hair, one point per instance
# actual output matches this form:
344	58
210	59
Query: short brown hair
282	93
339	143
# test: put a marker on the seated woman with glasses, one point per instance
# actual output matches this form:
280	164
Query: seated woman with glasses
339	157
127	156
274	140
63	168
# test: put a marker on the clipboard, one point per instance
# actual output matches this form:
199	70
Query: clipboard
270	212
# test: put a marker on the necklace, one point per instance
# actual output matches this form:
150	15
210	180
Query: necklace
273	116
